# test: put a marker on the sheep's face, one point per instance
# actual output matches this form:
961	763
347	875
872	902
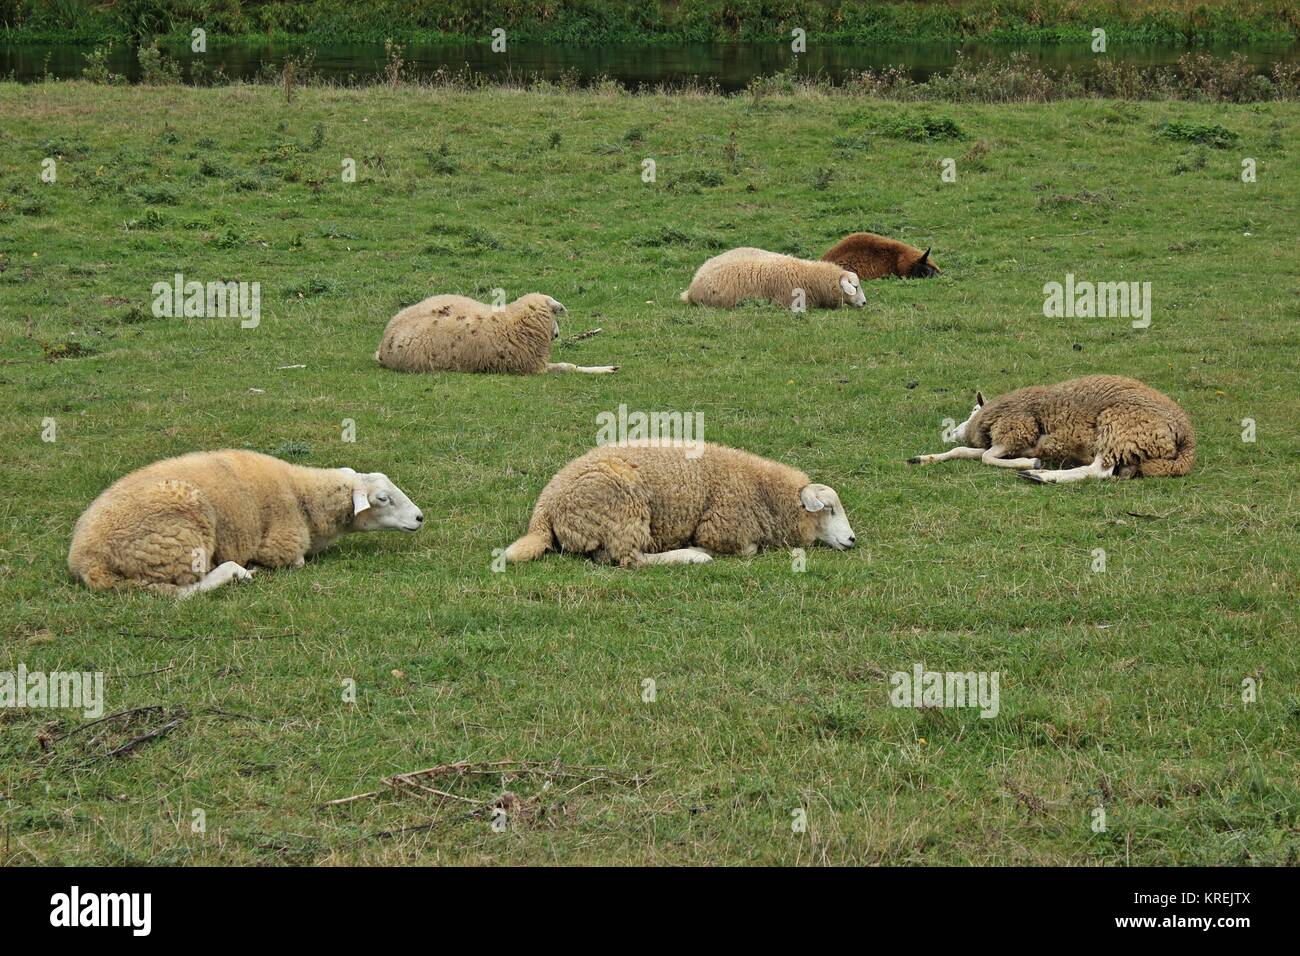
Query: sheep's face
963	431
379	505
557	309
923	268
851	286
824	505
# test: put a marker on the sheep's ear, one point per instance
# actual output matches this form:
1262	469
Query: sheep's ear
360	502
925	256
847	285
809	498
979	399
347	471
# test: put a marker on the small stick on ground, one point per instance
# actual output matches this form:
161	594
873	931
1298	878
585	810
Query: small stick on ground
117	716
417	781
584	335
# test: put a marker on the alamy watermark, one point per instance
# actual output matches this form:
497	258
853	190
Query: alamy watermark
922	688
58	690
211	300
656	429
1102	300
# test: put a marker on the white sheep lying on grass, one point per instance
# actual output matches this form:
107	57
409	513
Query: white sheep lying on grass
452	333
748	273
1104	425
160	528
642	503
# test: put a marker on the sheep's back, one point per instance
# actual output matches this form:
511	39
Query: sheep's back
452	333
240	487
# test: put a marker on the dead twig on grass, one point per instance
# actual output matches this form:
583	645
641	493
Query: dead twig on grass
153	734
420	782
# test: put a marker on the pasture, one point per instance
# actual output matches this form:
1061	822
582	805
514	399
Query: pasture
1121	689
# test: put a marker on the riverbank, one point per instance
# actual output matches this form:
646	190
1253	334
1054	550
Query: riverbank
592	22
1015	79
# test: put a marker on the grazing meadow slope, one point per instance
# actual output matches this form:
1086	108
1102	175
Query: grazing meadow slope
1121	673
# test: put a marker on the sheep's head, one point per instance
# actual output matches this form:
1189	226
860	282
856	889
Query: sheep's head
542	305
923	268
557	308
379	505
963	432
851	286
832	522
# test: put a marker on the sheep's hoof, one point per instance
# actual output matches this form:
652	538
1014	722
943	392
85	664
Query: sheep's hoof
1036	479
1038	463
914	460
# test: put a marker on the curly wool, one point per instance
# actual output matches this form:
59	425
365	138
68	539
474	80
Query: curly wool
452	333
621	501
874	257
153	527
749	273
1134	428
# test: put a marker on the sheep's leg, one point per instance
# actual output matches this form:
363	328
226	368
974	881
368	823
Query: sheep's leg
588	369
677	556
221	574
993	456
1064	475
951	453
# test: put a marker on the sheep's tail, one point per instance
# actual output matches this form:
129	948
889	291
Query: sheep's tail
1180	464
535	543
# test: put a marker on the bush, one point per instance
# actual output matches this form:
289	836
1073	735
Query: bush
96	69
1215	136
156	68
922	129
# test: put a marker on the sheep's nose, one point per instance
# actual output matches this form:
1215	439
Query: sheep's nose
419	518
853	538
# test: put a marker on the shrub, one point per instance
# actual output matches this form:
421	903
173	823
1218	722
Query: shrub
1215	136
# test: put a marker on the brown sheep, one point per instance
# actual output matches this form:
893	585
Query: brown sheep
874	257
452	333
647	503
1104	425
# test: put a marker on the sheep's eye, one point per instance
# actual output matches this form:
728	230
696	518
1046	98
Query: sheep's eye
382	498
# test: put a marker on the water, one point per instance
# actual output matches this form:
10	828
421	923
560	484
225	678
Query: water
730	66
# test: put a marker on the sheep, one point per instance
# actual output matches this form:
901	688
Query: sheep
452	333
1104	425
874	257
749	273
642	503
162	527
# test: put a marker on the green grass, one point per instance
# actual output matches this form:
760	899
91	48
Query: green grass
1120	689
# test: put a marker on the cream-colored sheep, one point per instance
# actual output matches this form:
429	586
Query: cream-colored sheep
451	333
746	273
1105	425
669	503
162	527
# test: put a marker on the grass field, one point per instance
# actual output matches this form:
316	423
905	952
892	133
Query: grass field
1120	689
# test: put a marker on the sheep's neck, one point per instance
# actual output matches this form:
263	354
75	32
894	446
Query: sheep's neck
791	524
325	500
